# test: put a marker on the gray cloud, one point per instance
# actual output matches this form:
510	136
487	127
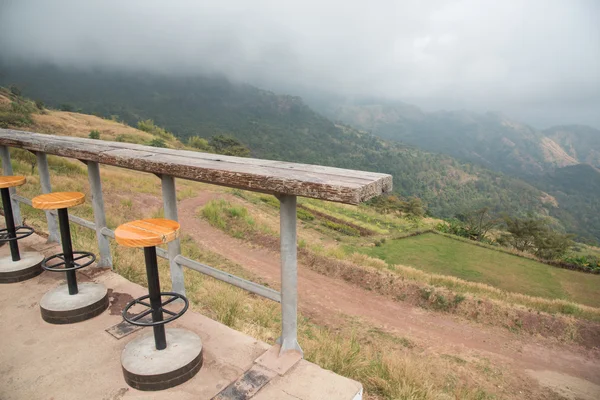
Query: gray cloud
535	59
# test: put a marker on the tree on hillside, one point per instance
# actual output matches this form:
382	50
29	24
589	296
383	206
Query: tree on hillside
478	223
94	134
229	146
387	204
14	89
535	236
200	144
413	207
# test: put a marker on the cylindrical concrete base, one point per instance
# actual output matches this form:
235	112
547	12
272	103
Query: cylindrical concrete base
16	271
146	368
59	307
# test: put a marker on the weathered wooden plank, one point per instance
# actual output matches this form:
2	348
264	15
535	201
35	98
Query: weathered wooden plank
268	176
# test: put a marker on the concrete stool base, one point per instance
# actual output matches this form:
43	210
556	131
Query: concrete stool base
16	271
59	307
146	368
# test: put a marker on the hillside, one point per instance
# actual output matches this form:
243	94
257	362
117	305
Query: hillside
541	158
396	328
492	140
277	127
579	141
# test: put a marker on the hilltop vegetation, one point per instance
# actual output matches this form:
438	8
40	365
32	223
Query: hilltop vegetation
441	255
278	127
546	159
389	365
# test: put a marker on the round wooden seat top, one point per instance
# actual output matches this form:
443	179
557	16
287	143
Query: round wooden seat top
11	181
58	200
147	232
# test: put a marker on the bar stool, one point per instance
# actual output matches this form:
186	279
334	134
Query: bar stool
148	363
18	266
72	302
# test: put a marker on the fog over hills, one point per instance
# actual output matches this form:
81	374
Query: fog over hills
458	92
537	61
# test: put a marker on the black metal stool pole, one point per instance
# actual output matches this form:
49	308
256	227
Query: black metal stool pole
10	224
155	297
67	246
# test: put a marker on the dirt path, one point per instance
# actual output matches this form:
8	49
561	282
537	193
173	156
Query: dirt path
323	298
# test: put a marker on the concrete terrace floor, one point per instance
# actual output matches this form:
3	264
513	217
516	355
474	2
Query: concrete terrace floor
82	361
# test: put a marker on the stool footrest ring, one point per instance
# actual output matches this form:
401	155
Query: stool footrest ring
135	319
77	255
21	233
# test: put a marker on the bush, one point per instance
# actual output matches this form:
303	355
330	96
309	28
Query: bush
149	126
17	114
200	144
94	134
305	215
270	200
341	228
233	219
229	146
587	263
67	107
14	89
158	142
40	104
537	237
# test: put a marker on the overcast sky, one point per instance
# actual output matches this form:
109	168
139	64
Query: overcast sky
538	60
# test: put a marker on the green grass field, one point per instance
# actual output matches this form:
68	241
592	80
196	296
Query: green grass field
442	255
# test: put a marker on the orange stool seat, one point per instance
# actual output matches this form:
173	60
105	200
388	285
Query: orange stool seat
57	200
11	181
147	232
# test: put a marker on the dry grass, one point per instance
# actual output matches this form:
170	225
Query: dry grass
389	367
475	301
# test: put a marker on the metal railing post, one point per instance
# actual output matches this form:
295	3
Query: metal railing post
42	163
289	275
7	170
99	215
170	206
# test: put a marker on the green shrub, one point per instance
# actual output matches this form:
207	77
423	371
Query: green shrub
14	89
270	200
149	126
158	142
341	228
94	134
200	144
18	113
305	215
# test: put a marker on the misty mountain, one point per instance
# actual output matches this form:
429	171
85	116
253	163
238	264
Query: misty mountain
549	160
283	127
578	141
491	140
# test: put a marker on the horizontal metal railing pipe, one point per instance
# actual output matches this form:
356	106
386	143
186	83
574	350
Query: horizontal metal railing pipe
229	278
181	260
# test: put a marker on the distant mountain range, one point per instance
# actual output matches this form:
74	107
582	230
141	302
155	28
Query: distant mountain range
454	161
562	161
492	140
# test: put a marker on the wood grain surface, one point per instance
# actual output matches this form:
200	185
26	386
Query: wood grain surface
267	176
147	232
11	181
57	200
